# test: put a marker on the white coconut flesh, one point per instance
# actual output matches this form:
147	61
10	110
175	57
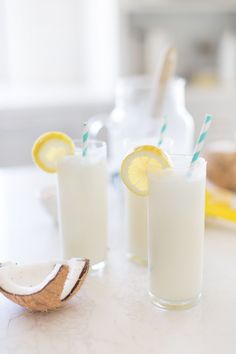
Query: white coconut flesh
31	279
76	267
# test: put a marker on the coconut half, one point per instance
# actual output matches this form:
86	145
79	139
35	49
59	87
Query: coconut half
43	286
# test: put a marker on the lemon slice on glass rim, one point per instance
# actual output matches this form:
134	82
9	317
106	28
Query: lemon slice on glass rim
50	148
136	166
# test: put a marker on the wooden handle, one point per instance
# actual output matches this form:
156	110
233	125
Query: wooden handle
167	71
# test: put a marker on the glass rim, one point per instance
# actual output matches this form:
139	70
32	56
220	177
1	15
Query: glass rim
200	163
98	143
186	156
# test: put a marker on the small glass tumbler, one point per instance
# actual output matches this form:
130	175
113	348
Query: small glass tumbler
82	189
176	211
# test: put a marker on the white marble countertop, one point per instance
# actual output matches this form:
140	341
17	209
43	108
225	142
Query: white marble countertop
112	313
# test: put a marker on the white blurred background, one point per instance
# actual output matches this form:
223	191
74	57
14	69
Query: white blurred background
60	61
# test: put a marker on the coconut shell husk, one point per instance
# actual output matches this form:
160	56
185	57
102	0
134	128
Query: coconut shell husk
48	298
79	282
221	169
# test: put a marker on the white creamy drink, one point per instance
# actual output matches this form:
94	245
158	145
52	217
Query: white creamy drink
176	208
82	183
136	226
136	214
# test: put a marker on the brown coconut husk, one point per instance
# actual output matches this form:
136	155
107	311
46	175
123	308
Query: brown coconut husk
48	298
79	282
221	169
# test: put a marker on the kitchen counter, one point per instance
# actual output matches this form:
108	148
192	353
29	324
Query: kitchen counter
112	313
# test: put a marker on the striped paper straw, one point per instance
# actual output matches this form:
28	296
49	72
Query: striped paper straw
162	131
85	139
201	139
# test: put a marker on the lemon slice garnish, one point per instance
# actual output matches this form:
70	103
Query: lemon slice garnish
138	164
50	148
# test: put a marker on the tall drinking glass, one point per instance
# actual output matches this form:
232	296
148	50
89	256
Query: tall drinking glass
82	187
176	209
136	208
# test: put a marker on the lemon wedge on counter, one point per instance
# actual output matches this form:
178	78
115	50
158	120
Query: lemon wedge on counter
50	148
136	166
219	204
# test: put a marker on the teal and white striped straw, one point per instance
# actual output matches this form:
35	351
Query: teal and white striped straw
201	139
162	131
85	139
